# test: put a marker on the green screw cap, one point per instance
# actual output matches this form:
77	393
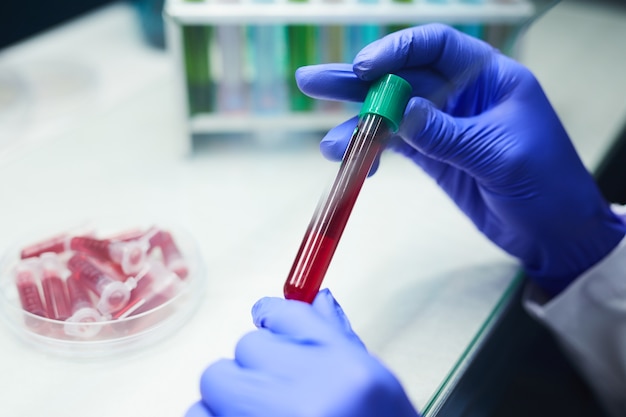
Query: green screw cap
388	97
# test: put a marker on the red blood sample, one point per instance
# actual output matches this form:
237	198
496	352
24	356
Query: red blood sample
113	294
57	303
26	279
129	255
84	315
54	288
126	235
330	218
91	246
79	298
155	286
172	257
56	244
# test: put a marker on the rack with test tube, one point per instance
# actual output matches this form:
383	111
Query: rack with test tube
237	58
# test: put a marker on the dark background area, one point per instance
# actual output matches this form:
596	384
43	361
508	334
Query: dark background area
22	19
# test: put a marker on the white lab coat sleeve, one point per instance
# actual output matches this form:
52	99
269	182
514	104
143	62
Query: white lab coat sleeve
589	321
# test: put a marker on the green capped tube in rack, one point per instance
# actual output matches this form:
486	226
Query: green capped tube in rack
301	50
475	29
197	56
395	28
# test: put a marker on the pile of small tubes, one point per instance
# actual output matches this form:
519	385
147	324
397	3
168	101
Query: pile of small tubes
81	279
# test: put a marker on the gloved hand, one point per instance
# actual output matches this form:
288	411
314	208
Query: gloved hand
481	126
304	360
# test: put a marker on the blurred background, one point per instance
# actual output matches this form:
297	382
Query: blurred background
574	49
108	109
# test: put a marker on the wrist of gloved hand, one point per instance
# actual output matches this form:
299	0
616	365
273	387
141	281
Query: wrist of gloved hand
559	260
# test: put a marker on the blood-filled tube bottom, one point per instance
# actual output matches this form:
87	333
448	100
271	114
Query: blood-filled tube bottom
54	287
56	244
84	314
156	284
172	257
26	279
114	295
129	255
379	118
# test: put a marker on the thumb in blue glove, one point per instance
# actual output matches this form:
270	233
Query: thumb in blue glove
303	360
481	126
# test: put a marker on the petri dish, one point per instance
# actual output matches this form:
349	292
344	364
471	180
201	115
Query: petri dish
144	303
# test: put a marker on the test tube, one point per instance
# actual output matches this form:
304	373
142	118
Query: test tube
302	48
128	234
156	284
356	37
130	255
380	116
197	54
55	244
84	314
172	256
54	288
267	54
114	295
26	275
231	90
331	46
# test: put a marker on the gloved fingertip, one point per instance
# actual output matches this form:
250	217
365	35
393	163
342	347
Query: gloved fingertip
323	296
363	70
417	115
362	63
198	410
374	167
335	142
267	306
303	74
257	309
326	304
332	149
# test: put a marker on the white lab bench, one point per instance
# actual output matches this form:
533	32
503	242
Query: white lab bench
415	277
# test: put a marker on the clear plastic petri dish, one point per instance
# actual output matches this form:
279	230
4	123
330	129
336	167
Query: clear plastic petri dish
98	290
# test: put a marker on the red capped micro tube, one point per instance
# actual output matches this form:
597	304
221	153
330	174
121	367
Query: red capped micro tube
84	314
114	295
156	285
54	288
58	243
55	244
130	255
172	256
126	235
26	275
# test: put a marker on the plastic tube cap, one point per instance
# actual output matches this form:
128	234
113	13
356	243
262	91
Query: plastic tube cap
83	323
388	97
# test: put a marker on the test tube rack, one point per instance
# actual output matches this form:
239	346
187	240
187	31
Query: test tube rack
500	23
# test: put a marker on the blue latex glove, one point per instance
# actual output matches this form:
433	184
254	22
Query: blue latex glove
304	360
481	126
